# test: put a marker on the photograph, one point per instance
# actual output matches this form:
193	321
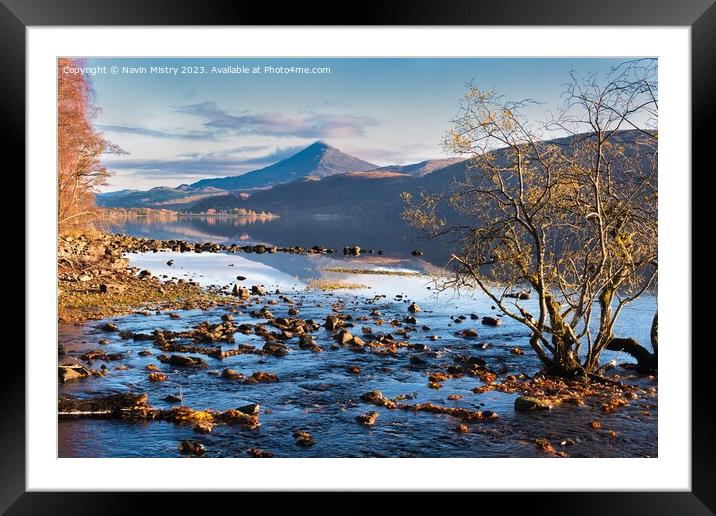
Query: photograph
384	257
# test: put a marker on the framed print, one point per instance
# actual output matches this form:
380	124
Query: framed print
417	253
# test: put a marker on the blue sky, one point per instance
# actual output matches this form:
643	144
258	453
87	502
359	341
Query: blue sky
180	128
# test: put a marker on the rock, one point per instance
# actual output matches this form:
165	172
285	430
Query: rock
517	351
527	403
103	288
171	398
469	333
332	322
157	377
240	292
192	448
186	361
417	252
275	349
144	274
410	320
170	263
251	409
344	337
353	369
241	278
70	372
414	308
462	428
114	404
258	453
84	278
257	290
304	439
231	374
491	321
307	342
110	327
368	419
263	377
203	427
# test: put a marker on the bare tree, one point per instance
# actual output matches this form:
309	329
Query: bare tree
572	219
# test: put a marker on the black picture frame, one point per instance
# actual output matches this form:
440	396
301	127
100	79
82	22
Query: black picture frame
699	15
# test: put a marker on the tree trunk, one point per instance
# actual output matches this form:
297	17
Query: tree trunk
655	334
645	361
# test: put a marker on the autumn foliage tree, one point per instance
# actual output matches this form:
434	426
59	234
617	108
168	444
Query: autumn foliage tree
79	149
572	220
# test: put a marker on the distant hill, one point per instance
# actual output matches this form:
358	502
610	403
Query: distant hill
160	197
373	194
317	160
422	168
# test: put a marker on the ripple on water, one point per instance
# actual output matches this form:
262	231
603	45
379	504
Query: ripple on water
317	394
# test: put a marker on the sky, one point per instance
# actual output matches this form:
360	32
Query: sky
177	128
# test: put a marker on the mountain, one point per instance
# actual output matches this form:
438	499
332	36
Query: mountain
423	168
373	195
317	160
159	197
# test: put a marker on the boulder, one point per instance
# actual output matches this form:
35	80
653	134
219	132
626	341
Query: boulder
332	322
113	404
251	409
258	290
195	448
528	403
187	361
368	419
304	439
491	321
231	374
344	337
70	372
275	349
414	308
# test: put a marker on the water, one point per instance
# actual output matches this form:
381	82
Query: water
316	393
395	238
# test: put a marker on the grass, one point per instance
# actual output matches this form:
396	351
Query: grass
381	272
333	285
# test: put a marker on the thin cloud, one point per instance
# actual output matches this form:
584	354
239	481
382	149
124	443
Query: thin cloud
223	163
157	133
312	125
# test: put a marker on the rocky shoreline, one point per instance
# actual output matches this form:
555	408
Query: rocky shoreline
95	281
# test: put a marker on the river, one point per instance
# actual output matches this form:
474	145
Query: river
315	392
